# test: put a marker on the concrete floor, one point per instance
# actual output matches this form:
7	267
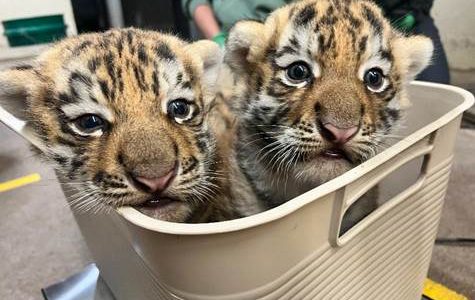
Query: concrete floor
40	243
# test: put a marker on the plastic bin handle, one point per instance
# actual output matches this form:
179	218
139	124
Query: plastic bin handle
353	191
20	127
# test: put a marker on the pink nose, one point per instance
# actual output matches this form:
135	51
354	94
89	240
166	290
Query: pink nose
338	135
158	184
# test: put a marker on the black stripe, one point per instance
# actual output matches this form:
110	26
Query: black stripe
65	98
354	22
109	62
280	114
191	74
155	83
286	50
120	46
63	141
93	98
261	195
140	77
130	40
295	42
119	79
386	54
78	76
202	141
93	64
143	58
179	78
305	15
114	184
23	67
389	93
372	19
59	159
362	46
328	18
99	177
105	89
80	48
163	51
186	85
76	163
191	166
393	113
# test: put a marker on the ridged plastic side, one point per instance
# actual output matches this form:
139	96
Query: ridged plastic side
388	260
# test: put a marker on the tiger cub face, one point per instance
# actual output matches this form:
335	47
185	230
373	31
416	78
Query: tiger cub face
122	116
320	85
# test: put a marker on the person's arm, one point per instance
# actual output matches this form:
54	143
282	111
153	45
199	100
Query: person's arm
205	21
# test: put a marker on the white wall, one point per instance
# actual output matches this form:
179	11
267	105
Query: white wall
456	22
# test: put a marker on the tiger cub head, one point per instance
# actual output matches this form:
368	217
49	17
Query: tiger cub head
321	83
122	115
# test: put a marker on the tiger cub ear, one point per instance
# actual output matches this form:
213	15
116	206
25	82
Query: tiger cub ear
211	56
244	35
15	86
414	54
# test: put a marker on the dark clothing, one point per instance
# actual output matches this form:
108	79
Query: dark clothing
438	70
228	12
420	5
397	10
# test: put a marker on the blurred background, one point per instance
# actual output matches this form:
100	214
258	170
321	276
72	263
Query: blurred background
454	19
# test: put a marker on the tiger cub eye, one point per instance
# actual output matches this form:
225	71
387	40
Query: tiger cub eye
179	109
374	78
298	71
89	123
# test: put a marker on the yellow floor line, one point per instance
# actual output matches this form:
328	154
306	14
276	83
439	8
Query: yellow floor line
436	291
16	183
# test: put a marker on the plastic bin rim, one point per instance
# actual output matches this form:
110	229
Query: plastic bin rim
135	217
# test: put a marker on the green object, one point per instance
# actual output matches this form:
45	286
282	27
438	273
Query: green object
220	39
406	23
228	12
31	31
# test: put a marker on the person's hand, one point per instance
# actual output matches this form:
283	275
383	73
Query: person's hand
406	23
206	21
220	39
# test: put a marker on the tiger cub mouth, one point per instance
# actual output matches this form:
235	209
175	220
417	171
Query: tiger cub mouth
163	208
160	201
336	154
156	202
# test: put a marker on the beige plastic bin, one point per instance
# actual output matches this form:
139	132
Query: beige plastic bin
294	251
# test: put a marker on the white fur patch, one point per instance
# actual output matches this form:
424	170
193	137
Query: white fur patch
75	110
266	100
308	40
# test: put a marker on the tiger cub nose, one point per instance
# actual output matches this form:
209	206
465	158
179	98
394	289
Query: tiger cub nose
337	134
158	184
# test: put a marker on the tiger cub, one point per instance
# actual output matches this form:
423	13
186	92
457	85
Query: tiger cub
123	117
318	88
